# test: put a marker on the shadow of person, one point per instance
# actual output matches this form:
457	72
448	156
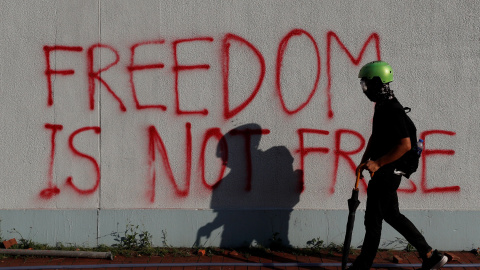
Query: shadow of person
254	200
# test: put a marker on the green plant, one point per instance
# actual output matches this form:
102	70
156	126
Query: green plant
276	242
164	239
130	242
131	239
102	248
1	235
399	243
315	244
23	243
145	239
410	248
334	248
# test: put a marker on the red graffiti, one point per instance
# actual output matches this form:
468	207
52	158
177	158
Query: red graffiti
280	53
69	180
412	189
227	112
304	151
51	189
156	143
214	132
133	68
49	71
247	135
92	75
430	152
339	152
356	61
178	68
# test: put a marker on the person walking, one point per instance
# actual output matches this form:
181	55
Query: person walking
389	141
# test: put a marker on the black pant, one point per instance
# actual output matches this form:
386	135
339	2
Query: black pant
382	204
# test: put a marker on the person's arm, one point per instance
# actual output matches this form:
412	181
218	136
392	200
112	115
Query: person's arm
366	154
397	152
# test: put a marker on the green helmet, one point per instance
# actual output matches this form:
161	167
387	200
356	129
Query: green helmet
377	69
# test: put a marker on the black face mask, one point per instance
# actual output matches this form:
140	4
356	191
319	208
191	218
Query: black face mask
375	90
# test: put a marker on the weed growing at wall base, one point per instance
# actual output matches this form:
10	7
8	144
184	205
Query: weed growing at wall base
133	242
315	244
398	243
131	239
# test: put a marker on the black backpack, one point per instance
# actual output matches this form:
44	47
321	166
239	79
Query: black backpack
408	163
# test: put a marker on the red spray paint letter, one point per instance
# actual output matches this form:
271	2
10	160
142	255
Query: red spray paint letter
52	189
227	112
280	53
177	68
156	143
49	71
69	181
304	151
247	135
346	155
92	75
412	189
373	37
133	67
223	152
429	152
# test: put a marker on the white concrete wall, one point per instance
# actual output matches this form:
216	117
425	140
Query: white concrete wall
195	62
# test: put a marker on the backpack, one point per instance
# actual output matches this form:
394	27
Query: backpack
408	163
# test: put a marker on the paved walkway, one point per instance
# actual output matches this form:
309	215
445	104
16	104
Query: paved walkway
232	260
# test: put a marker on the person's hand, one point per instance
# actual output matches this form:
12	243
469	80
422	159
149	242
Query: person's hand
372	166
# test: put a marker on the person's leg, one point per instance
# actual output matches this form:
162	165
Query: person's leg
392	215
406	228
432	259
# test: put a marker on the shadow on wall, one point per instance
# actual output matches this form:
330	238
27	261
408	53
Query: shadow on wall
254	200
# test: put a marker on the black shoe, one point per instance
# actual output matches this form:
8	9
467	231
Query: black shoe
436	261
